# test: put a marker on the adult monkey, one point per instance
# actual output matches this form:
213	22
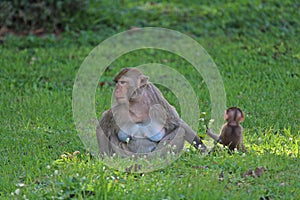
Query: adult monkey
141	121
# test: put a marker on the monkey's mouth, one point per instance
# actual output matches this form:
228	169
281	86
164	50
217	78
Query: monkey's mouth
121	100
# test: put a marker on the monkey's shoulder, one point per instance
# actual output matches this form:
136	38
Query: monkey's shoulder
106	114
232	130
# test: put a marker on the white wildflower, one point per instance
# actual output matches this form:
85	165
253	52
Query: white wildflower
20	184
17	191
259	139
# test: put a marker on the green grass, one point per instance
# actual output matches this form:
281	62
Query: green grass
255	46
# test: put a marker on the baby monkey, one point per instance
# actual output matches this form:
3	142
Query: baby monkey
231	133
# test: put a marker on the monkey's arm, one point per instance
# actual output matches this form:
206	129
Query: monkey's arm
104	132
191	136
212	135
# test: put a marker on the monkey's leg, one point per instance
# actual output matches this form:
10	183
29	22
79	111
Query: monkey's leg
244	148
103	142
192	137
173	142
103	133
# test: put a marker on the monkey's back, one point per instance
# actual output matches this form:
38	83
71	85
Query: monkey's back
231	136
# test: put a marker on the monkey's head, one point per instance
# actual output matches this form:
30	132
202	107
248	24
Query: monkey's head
234	116
128	82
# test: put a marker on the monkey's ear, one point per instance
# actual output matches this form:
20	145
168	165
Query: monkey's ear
143	80
242	117
225	115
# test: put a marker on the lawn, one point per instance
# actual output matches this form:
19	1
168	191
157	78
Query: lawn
255	45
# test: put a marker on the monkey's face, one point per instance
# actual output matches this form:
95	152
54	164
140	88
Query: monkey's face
124	89
128	86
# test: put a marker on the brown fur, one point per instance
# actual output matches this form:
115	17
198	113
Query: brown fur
232	132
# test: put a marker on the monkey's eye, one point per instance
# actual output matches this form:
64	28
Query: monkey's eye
122	82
